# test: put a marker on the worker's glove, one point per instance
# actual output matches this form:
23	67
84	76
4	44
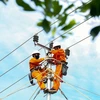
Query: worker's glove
49	52
45	58
63	62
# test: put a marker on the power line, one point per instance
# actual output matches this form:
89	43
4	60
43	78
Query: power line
33	35
24	60
75	85
14	66
69	31
22	88
21	79
85	89
78	41
71	85
13	84
41	48
67	82
34	93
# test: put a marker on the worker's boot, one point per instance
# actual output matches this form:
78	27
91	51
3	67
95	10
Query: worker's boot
45	90
52	91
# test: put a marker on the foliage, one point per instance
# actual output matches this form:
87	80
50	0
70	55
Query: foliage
52	9
95	31
4	1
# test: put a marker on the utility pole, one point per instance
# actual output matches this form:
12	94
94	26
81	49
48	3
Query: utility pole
49	83
35	40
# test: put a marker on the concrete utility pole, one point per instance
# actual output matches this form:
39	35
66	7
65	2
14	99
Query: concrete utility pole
49	83
35	40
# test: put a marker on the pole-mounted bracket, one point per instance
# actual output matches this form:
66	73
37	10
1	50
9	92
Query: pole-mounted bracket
35	40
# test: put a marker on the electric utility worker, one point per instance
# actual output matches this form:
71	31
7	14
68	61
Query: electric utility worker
58	54
36	71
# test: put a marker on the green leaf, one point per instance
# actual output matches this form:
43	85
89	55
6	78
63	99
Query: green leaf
39	23
47	9
48	13
95	8
95	31
84	8
56	8
25	6
63	36
38	2
70	33
48	5
53	31
4	1
62	19
70	25
46	25
69	7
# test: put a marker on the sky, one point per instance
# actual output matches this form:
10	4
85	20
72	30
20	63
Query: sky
17	26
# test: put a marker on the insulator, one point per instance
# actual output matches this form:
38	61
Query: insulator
67	51
51	45
35	38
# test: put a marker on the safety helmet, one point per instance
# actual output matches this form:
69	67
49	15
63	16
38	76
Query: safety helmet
56	44
35	52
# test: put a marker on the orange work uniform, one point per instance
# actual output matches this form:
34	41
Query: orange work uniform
59	54
33	63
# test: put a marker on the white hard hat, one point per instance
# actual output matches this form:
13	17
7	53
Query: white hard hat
56	44
36	51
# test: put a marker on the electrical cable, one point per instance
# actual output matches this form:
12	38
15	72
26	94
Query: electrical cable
63	94
69	31
35	34
27	74
34	93
70	85
41	48
64	82
75	85
85	90
14	66
78	42
13	84
21	88
20	80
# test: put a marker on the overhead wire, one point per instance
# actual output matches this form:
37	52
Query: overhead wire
22	87
41	48
36	82
33	93
63	94
85	90
14	66
76	86
18	46
27	74
13	84
69	31
79	41
70	85
36	94
21	79
36	34
20	62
